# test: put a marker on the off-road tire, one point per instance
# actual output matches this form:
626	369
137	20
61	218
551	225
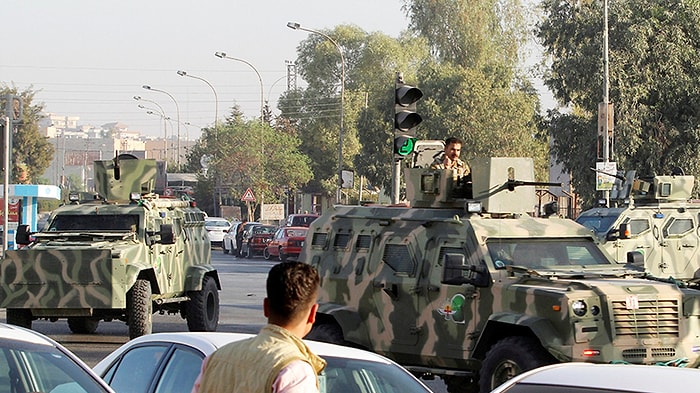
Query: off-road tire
510	357
202	310
19	317
266	254
327	333
83	325
139	309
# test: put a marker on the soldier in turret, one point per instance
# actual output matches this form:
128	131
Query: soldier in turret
449	159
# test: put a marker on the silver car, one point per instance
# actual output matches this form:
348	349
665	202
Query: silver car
32	362
170	362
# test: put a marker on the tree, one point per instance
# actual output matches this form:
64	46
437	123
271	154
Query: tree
31	152
248	154
654	84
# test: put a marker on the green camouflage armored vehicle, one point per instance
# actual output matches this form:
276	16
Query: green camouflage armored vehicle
654	223
122	256
468	285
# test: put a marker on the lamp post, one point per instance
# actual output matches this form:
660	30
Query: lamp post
297	26
216	97
222	55
177	108
161	113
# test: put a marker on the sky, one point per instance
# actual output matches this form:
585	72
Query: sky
89	58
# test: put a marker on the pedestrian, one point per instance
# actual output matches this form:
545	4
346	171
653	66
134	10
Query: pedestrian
275	360
239	237
449	159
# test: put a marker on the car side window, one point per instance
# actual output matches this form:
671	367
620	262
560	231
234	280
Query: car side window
137	369
180	372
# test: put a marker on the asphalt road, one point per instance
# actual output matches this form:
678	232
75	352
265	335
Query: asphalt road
243	283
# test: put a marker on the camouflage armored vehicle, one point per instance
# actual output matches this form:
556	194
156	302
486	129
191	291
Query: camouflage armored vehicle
123	256
468	285
654	223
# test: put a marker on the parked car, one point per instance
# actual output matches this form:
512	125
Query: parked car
229	242
581	377
300	220
286	243
33	362
170	362
216	228
255	239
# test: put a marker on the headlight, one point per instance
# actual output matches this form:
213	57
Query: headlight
579	307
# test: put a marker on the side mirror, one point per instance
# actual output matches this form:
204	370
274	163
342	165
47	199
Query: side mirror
22	237
166	234
624	231
453	272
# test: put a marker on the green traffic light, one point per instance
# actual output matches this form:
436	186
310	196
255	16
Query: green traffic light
404	145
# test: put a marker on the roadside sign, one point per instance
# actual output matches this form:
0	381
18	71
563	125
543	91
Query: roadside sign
248	196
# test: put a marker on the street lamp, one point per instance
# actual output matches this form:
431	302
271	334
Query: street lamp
297	26
222	55
216	97
161	113
177	108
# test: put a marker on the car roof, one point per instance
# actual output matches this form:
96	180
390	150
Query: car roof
609	377
21	334
208	342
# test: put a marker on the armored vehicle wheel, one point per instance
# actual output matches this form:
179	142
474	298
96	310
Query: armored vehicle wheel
327	333
83	325
510	357
202	310
19	317
266	254
139	309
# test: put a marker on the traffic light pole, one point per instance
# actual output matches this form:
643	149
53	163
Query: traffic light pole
6	182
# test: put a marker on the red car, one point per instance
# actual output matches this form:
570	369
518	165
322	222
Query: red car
286	243
255	239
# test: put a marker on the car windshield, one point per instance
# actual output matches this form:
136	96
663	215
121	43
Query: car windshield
535	253
217	223
343	375
296	232
26	367
101	222
599	224
262	230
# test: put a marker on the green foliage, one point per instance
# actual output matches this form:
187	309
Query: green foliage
248	154
654	84
31	151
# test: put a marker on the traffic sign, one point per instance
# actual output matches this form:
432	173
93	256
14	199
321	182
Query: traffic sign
248	196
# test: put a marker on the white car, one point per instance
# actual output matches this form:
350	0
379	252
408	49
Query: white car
603	378
216	228
32	362
170	362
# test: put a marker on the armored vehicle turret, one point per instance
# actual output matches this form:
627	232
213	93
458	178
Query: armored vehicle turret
123	255
468	284
653	223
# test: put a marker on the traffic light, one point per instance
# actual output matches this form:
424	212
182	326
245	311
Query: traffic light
405	117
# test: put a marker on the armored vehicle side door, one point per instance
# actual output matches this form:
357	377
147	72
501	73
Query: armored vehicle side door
679	245
395	295
643	233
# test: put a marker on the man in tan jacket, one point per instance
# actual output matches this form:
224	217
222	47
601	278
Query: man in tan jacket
276	360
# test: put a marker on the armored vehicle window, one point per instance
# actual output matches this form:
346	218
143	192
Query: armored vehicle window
341	240
319	239
544	254
397	257
678	226
637	226
102	222
598	224
363	242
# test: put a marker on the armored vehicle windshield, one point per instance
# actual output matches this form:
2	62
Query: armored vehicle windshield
102	222
548	253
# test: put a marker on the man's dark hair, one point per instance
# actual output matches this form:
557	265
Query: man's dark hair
291	288
453	139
